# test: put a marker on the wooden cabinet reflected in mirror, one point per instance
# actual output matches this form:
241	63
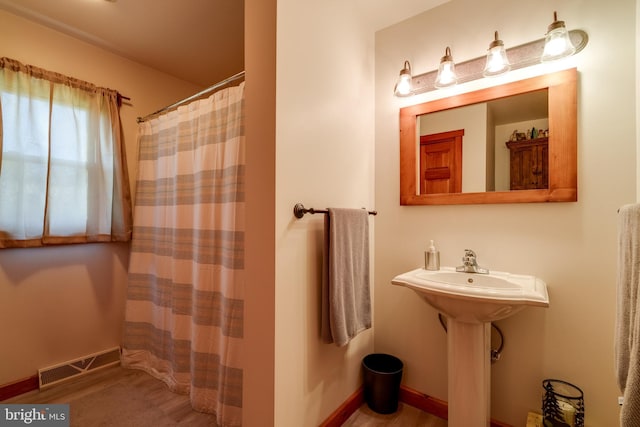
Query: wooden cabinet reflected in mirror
514	143
529	164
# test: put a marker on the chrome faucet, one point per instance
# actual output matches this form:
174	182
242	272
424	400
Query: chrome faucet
469	263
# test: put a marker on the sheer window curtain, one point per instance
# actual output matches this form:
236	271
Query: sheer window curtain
63	176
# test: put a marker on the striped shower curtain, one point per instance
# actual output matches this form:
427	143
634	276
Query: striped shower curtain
184	311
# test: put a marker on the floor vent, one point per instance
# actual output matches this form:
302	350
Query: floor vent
78	367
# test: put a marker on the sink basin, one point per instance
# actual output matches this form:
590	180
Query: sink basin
471	301
473	297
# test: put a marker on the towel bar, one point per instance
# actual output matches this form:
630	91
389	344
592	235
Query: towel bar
299	210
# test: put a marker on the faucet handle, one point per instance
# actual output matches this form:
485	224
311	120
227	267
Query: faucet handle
469	253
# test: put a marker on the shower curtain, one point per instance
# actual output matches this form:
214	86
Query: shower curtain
184	310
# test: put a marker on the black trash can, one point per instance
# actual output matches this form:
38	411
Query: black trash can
381	377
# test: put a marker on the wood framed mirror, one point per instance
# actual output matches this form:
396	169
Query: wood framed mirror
558	178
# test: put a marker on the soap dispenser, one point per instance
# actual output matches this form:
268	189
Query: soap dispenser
432	258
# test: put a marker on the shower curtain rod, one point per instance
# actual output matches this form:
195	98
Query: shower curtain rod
192	97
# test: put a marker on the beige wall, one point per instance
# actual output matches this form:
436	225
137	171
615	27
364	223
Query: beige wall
64	302
572	246
259	333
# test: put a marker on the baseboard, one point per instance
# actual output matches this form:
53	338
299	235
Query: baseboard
342	414
19	387
412	397
431	405
425	403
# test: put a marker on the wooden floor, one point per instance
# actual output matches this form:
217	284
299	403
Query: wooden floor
406	416
118	397
170	409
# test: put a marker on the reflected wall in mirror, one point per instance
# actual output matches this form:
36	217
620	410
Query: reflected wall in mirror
512	143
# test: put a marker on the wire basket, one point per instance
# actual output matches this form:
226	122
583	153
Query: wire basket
562	405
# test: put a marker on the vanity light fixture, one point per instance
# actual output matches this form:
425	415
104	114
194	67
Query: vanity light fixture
557	44
403	86
446	71
522	56
497	62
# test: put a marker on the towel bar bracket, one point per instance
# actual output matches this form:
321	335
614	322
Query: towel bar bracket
299	210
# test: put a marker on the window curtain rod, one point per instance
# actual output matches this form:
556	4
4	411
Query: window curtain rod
192	97
52	76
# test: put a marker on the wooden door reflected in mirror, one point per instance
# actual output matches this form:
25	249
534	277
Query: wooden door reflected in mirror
441	162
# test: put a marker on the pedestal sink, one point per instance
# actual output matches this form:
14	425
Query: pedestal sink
471	301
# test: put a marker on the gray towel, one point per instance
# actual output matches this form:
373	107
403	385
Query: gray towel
346	299
627	333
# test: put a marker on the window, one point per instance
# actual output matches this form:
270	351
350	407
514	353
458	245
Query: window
62	167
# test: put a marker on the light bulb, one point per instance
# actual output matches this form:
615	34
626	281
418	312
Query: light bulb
403	86
557	43
497	62
446	71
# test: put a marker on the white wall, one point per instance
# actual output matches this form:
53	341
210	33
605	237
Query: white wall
572	246
325	149
59	303
637	98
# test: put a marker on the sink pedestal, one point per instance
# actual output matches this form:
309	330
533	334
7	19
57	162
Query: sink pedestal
469	373
471	301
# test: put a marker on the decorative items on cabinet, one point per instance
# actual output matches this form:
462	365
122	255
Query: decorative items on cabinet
529	164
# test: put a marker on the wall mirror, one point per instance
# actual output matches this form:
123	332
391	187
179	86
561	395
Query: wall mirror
513	143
